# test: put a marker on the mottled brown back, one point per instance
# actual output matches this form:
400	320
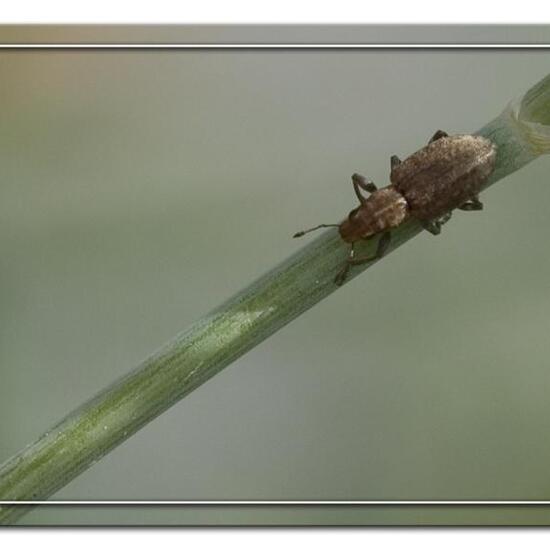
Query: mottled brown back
444	174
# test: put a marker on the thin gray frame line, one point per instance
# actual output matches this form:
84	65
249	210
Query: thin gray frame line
289	46
277	502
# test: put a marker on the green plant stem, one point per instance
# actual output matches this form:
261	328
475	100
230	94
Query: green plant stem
215	341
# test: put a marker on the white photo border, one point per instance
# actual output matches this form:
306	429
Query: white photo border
273	46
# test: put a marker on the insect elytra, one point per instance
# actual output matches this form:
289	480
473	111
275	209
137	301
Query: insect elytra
447	173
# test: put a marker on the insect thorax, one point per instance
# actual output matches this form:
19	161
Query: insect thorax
383	210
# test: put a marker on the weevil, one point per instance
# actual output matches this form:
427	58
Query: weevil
447	173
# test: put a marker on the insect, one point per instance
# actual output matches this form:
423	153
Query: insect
447	173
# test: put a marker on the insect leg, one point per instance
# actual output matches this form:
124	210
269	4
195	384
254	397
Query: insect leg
431	226
438	135
360	182
381	249
343	273
434	226
394	161
444	219
302	233
472	204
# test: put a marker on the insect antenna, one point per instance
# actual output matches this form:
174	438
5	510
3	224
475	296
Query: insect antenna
302	233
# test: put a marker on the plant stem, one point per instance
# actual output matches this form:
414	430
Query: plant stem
215	341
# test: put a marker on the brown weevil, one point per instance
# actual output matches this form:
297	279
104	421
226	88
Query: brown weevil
447	173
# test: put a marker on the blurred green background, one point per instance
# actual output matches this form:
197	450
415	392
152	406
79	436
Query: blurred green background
141	189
